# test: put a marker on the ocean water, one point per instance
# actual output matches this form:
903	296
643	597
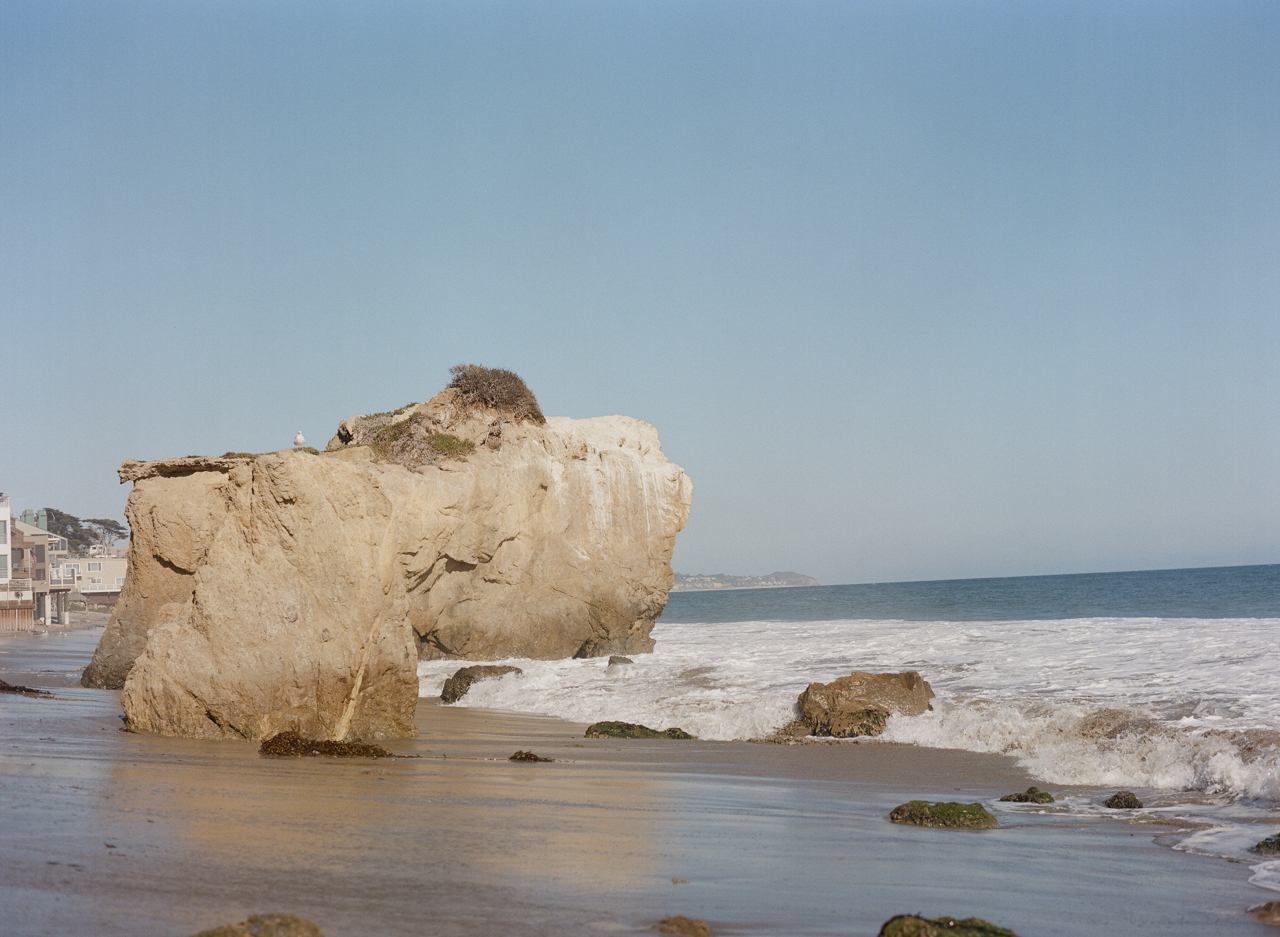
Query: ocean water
1167	682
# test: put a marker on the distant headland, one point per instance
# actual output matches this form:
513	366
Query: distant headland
700	583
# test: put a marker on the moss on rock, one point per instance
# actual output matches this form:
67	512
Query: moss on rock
949	815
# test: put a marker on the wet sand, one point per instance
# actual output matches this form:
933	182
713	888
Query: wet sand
108	833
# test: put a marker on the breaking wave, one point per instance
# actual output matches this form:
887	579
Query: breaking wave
1174	704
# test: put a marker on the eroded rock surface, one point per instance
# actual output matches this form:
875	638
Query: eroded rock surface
297	590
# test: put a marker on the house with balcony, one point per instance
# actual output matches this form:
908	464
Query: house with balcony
36	555
17	597
98	579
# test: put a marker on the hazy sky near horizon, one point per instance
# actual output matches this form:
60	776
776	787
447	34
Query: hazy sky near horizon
911	290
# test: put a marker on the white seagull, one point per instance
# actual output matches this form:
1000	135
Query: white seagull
299	440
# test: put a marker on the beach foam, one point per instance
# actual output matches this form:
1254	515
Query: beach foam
1179	704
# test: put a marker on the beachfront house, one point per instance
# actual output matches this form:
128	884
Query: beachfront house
98	579
17	599
35	555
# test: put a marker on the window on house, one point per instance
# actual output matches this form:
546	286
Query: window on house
4	563
38	574
119	582
95	581
4	530
95	568
38	554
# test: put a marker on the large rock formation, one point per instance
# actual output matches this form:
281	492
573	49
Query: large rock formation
296	590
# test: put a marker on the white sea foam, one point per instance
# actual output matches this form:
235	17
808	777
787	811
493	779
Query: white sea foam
1173	704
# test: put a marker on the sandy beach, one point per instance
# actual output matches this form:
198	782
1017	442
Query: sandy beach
106	832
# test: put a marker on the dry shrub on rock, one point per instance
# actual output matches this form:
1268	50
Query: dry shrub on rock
498	389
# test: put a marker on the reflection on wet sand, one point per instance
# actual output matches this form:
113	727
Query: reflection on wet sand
459	805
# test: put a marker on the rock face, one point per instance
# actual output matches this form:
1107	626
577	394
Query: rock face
860	703
297	590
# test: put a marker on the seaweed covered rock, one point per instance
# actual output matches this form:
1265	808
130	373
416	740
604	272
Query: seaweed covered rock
528	756
267	925
681	926
455	688
912	925
291	744
1268	847
1032	795
948	815
22	690
630	730
1122	800
297	591
859	704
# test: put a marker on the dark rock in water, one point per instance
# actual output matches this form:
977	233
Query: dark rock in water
1268	913
1268	847
860	703
293	744
528	756
23	690
911	925
629	730
455	688
681	926
1032	795
949	815
267	925
615	660
1123	800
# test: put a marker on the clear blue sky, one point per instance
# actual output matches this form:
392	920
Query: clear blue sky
911	290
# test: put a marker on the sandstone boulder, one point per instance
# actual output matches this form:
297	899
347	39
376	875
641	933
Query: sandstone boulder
860	703
296	591
455	688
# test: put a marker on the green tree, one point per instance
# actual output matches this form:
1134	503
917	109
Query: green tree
105	530
70	527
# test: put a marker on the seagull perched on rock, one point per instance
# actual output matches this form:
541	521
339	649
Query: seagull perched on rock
299	440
